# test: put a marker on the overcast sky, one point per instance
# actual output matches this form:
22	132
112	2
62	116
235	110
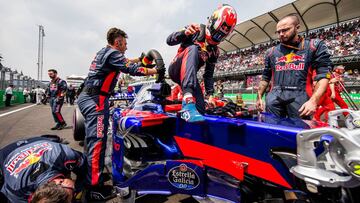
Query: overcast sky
76	30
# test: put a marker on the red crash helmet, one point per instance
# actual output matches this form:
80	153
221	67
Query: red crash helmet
221	23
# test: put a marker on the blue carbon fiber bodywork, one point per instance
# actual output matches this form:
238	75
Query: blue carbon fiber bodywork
255	139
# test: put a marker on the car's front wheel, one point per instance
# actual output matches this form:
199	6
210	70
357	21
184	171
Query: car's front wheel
78	126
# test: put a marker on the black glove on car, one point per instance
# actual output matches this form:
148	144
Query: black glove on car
161	70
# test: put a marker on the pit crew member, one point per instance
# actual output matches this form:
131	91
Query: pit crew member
38	163
56	91
337	86
289	66
93	103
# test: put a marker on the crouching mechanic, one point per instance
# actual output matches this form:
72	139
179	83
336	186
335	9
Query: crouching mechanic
93	103
289	65
337	86
36	169
198	47
56	91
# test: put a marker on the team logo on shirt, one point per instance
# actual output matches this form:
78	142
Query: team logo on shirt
53	87
290	61
100	126
328	75
93	64
26	158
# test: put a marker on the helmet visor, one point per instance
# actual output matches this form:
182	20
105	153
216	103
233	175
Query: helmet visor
218	36
221	33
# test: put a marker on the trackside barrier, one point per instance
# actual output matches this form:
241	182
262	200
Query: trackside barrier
17	98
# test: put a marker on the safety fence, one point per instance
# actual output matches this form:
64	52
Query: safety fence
17	79
17	98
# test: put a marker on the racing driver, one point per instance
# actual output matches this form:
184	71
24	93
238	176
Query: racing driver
198	47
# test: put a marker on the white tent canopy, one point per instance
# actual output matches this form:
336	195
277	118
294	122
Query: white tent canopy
313	14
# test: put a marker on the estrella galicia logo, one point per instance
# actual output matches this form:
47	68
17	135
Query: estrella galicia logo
183	177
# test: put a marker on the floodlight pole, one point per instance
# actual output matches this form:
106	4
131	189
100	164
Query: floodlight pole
40	52
38	63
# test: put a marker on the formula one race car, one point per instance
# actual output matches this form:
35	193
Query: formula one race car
233	159
252	158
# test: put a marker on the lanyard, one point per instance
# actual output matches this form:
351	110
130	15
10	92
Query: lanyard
293	47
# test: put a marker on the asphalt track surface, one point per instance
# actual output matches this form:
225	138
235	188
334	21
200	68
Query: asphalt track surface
29	120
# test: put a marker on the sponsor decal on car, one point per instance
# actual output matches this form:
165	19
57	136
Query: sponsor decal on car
183	177
356	168
356	123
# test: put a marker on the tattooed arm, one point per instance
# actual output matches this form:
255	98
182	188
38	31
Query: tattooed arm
262	88
264	83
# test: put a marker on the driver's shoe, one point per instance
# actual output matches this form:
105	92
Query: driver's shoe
190	114
99	193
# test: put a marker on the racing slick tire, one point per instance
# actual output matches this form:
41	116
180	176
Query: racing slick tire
79	125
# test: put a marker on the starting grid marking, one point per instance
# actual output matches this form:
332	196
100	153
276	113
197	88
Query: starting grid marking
14	111
17	110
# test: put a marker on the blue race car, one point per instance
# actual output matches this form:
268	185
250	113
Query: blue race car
257	159
251	158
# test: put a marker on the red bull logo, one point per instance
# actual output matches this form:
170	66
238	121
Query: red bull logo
93	64
53	87
295	58
290	62
26	158
282	59
31	159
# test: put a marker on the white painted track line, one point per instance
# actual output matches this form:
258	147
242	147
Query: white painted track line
14	111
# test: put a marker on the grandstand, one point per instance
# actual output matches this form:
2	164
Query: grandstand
75	80
335	21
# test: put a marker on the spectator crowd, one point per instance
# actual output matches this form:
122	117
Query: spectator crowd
342	40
